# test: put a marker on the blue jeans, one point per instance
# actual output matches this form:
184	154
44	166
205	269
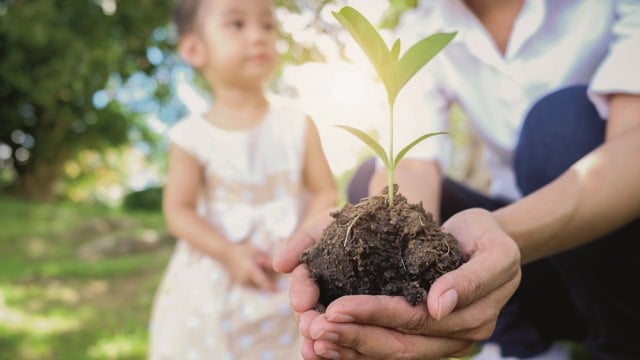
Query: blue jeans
590	294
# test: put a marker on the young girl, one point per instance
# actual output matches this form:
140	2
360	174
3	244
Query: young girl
242	177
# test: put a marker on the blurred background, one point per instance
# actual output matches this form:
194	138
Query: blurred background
88	89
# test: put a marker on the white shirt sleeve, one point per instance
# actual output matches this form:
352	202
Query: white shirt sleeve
620	70
187	136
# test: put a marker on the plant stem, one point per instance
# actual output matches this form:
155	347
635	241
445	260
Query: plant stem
392	167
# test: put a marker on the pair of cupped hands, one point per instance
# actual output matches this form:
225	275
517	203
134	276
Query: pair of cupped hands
461	308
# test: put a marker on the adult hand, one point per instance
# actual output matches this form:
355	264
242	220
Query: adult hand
303	293
461	308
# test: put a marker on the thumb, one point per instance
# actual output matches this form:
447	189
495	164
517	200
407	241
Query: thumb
482	274
288	257
493	260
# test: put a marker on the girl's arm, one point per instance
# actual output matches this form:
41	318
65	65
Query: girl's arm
179	202
317	177
598	194
245	263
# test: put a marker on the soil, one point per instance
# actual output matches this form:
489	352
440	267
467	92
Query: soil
375	249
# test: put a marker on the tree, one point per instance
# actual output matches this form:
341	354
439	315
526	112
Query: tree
54	56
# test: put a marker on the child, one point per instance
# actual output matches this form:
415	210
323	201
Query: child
242	177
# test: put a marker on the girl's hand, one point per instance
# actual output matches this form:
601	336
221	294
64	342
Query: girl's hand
250	266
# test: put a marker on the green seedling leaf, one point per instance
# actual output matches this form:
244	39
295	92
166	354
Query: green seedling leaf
418	56
395	49
369	41
377	149
394	72
415	142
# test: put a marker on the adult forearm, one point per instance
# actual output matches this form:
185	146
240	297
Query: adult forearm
418	181
595	196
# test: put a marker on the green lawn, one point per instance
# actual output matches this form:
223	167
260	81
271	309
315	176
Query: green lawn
76	282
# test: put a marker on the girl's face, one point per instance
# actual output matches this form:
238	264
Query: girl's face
239	38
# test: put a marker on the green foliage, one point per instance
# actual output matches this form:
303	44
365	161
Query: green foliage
364	137
54	56
396	8
148	199
406	149
394	71
60	305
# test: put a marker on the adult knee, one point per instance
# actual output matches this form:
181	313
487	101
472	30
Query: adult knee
558	130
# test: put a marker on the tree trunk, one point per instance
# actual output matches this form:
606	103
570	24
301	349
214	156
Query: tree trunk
37	181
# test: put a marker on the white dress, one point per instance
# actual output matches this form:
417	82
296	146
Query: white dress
252	190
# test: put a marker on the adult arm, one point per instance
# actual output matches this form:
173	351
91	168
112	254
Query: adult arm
600	192
596	195
418	181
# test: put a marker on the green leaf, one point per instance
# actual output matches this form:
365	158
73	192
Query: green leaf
415	142
370	42
395	49
394	72
418	56
377	149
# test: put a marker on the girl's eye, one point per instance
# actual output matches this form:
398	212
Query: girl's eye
236	24
269	26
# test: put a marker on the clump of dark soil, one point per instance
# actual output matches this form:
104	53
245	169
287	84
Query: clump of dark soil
374	249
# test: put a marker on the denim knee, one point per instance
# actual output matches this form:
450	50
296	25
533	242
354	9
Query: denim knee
559	129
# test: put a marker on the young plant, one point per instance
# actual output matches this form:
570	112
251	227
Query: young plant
395	72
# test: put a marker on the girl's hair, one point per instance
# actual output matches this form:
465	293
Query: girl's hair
185	15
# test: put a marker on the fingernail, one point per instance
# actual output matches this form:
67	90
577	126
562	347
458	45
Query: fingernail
329	354
446	304
329	336
324	335
339	317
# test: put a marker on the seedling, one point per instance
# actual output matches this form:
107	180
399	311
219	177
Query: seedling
394	72
378	246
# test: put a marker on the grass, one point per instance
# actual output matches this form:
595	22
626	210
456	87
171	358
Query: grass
59	299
